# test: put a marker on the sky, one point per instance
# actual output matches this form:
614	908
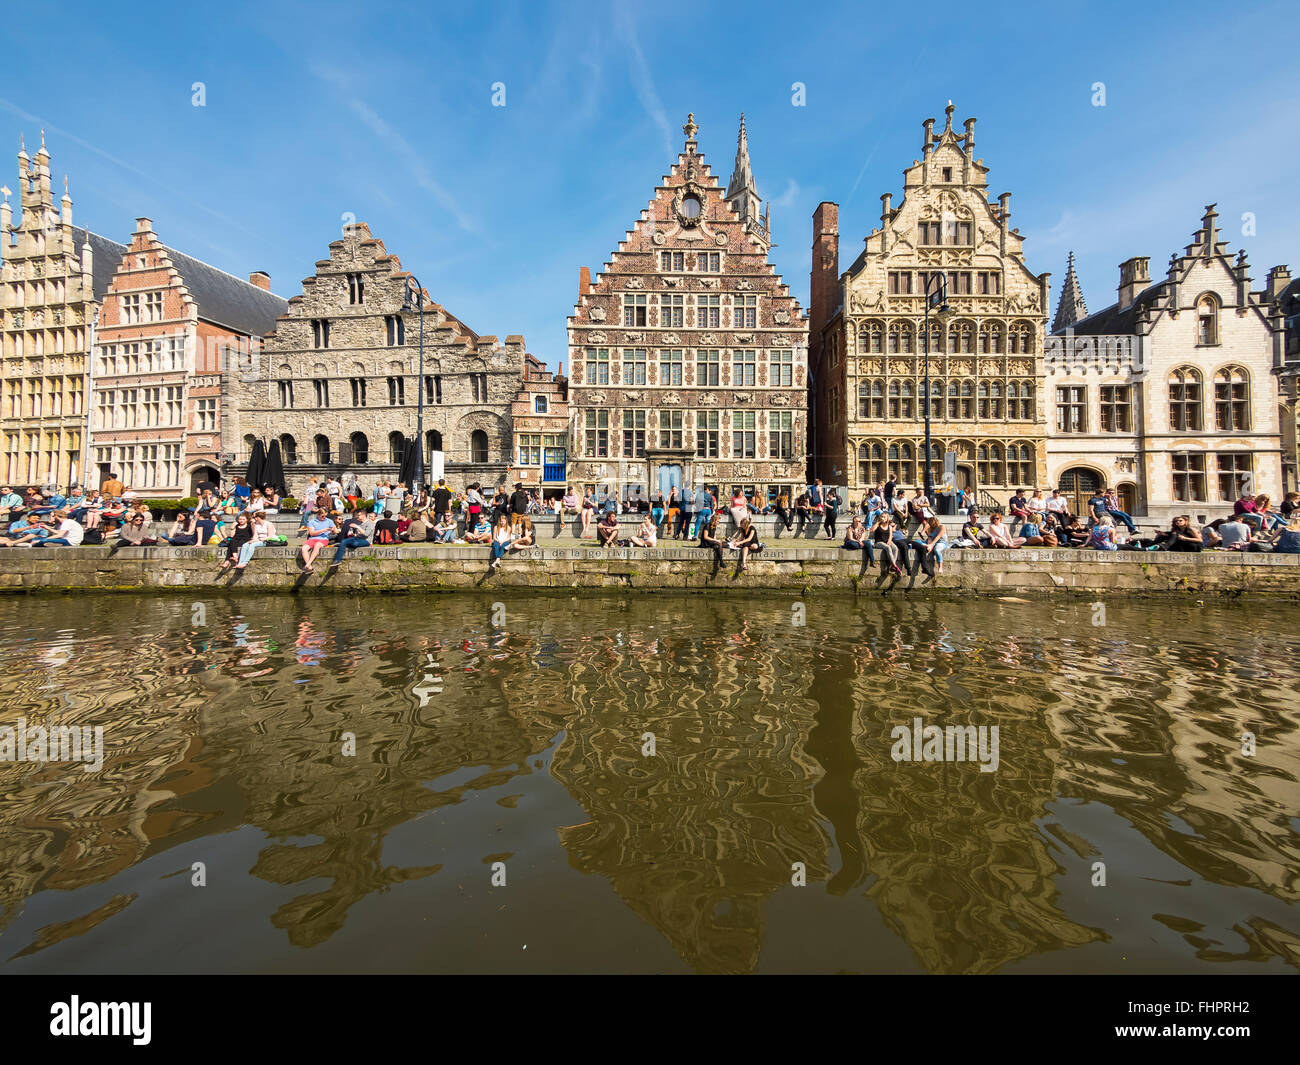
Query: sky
1112	125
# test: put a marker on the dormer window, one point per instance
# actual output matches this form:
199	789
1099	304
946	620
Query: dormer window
540	406
947	173
1207	321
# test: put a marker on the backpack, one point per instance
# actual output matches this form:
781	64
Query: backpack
93	536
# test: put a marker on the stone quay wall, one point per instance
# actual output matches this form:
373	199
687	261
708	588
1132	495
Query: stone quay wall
792	570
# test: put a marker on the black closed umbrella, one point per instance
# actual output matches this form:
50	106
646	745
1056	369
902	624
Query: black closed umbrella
407	473
273	470
256	464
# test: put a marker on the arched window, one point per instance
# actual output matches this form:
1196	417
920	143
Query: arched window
1185	400
871	399
900	338
360	449
1207	321
960	338
871	337
1020	464
1231	399
906	463
1026	411
249	441
1020	339
997	464
396	445
288	450
990	339
478	446
433	440
322	446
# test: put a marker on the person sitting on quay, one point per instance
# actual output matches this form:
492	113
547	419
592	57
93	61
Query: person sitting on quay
1288	538
242	535
1034	534
1018	507
355	531
480	532
445	531
182	533
386	530
1184	536
746	542
857	538
1102	535
64	532
1058	509
318	526
972	532
607	529
270	500
136	531
1036	507
11	504
1000	536
885	534
928	544
502	536
647	534
1263	520
524	537
782	510
1112	508
1075	533
802	512
710	539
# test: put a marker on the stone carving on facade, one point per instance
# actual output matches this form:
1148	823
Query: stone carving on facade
798	375
743	469
634	338
706	469
596	338
990	368
780	340
634	282
672	282
861	304
1019	367
672	340
596	397
708	399
781	317
780	400
596	314
869	366
708	340
744	338
708	282
658	237
744	285
632	397
720	239
900	366
961	367
672	398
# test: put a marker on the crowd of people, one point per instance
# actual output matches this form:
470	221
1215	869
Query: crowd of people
902	529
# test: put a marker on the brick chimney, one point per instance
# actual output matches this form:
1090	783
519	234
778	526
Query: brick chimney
1134	276
823	294
584	280
261	279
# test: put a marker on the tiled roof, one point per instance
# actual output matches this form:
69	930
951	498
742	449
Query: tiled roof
1115	322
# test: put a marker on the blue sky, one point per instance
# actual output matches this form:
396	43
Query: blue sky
384	110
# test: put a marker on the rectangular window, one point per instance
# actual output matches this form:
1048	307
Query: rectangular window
396	391
900	282
780	424
745	315
780	373
320	332
670	428
959	283
322	389
396	330
1235	477
174	409
433	388
707	367
706	434
530	449
356	288
744	368
634	366
743	435
597	430
286	393
1116	409
673	312
672	260
153	306
708	312
634	310
634	434
708	262
670	366
1071	409
989	283
206	412
597	366
479	387
1189	477
131	309
358	391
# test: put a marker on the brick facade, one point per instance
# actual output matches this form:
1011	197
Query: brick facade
687	354
540	419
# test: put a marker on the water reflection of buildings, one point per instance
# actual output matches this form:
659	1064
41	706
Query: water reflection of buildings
697	837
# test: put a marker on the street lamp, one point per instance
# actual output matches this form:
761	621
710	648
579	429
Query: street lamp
419	383
938	299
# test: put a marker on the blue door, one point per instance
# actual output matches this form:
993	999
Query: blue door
670	477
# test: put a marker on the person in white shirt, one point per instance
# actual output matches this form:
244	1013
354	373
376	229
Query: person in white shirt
1036	505
66	534
263	530
1059	508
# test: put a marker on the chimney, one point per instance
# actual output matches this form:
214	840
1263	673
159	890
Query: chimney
584	281
1278	279
1133	278
144	225
824	282
928	143
261	279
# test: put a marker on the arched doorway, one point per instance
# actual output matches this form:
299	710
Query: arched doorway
1079	484
203	473
396	447
478	446
360	449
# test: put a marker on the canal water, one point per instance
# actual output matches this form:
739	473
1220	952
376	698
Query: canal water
652	783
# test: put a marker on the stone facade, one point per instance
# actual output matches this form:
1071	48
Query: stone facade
48	302
540	418
867	338
687	354
168	328
1169	395
1284	294
337	380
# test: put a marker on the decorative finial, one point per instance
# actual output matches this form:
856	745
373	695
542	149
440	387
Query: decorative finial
65	184
948	111
22	144
690	129
7	192
42	140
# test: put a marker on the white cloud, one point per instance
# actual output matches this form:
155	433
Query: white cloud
642	80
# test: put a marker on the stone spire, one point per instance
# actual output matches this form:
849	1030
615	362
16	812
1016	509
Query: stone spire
1071	308
741	191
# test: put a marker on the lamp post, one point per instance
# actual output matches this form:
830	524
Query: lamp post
938	299
419	383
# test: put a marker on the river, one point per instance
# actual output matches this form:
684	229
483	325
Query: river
653	783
